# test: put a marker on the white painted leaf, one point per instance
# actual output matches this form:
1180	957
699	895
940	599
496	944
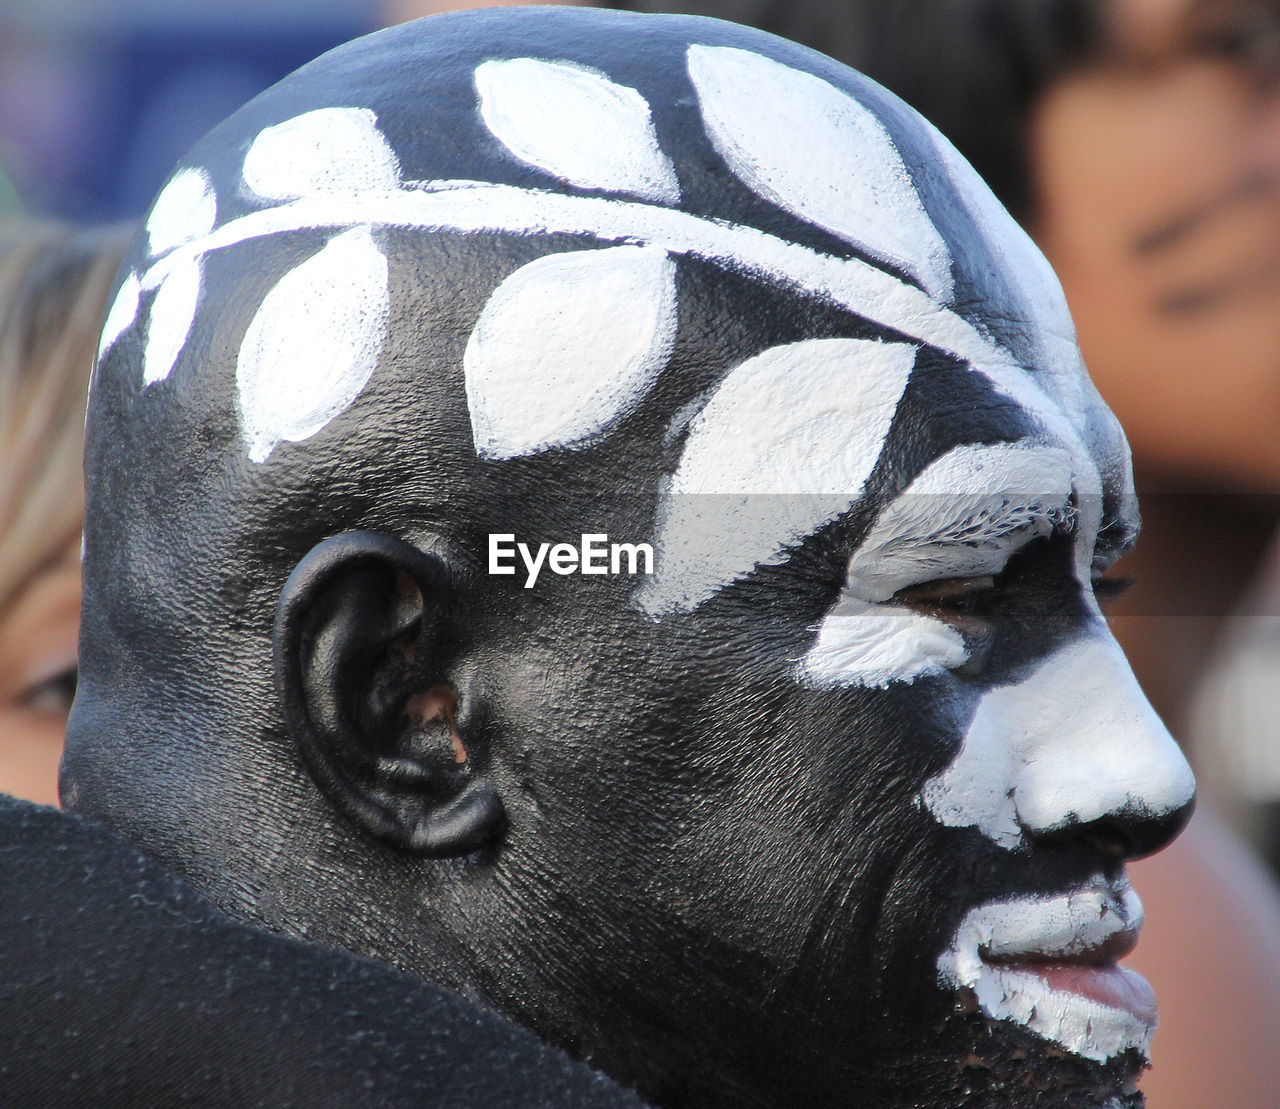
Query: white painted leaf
577	124
121	314
566	346
173	309
325	152
315	340
804	145
185	210
784	446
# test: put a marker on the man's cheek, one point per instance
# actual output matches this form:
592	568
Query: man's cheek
870	752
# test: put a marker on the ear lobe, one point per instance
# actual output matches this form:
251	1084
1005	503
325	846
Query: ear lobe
363	630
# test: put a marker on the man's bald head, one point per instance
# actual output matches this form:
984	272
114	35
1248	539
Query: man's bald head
570	281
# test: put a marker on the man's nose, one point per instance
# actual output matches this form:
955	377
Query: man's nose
1103	761
1074	749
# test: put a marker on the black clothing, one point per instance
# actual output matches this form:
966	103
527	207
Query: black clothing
121	986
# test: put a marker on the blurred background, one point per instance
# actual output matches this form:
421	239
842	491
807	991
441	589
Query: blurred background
99	98
1138	141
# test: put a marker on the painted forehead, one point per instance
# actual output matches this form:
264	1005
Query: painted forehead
825	188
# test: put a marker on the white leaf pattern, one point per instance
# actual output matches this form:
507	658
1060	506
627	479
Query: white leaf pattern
816	152
566	346
185	210
123	311
325	152
313	343
577	124
173	308
472	207
784	446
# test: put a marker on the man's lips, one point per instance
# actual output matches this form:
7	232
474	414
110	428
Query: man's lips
1099	942
1092	972
1049	962
1075	948
1093	924
1116	987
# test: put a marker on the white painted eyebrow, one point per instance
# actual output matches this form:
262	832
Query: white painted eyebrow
966	514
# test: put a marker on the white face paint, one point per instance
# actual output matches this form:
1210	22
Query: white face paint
576	124
184	211
333	168
867	644
1048	963
313	343
572	342
1073	742
964	516
338	152
567	346
816	152
172	311
783	446
121	314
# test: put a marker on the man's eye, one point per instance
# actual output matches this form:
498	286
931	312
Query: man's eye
53	695
952	599
967	604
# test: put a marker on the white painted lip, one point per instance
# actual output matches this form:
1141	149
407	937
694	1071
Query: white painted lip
1098	924
1049	963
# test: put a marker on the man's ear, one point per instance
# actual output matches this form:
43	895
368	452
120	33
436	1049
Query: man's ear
365	627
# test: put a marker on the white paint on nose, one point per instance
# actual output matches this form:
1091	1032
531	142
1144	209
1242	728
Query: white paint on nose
1074	742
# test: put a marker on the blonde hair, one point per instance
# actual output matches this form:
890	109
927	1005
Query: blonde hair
54	284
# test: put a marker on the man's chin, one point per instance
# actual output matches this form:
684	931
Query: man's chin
974	1062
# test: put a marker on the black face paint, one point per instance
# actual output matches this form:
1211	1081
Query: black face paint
532	290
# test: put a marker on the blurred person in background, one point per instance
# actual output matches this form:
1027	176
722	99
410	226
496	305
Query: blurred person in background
54	282
1157	196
